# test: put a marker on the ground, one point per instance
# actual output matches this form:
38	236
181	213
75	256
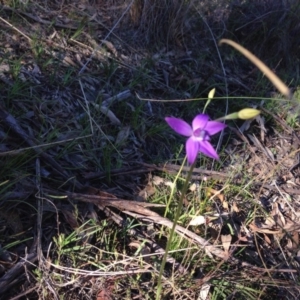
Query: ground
92	177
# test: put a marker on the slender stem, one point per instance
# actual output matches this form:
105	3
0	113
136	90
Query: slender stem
177	215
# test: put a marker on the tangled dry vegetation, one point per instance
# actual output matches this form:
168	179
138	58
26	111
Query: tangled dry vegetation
90	174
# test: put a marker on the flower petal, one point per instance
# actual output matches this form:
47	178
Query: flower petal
206	148
200	121
192	149
179	126
212	127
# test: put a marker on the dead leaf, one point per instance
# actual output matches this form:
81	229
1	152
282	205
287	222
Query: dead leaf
70	217
204	291
193	187
269	223
170	184
298	255
245	126
197	221
259	145
106	111
157	180
295	239
261	121
226	241
254	228
267	239
4	68
225	205
122	136
12	219
289	245
277	215
146	192
235	208
104	294
211	191
110	46
142	249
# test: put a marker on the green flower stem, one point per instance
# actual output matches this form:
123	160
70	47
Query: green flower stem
178	212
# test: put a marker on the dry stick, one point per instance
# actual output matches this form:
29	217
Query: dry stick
40	204
24	293
8	280
49	42
38	19
103	202
121	96
205	244
170	167
140	212
18	151
121	204
90	58
119	221
11	122
282	123
183	232
118	172
105	38
196	170
16	29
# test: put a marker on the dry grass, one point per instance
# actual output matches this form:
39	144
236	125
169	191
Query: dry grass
163	22
267	28
89	172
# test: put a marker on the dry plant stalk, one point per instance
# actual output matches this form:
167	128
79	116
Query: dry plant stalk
283	89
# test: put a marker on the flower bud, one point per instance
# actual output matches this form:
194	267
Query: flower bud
248	113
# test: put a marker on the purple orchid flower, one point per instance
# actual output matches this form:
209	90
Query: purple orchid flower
199	135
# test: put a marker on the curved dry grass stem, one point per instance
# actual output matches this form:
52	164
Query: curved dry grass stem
283	89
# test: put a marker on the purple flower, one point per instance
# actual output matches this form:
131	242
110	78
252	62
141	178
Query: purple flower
199	135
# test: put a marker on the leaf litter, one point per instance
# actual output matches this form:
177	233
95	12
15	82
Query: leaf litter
95	165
